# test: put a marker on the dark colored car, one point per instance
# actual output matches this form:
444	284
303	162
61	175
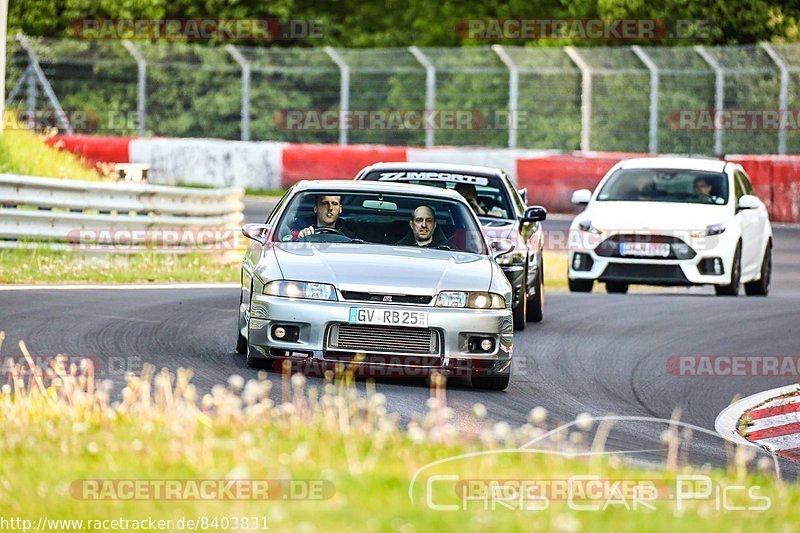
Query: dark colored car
503	213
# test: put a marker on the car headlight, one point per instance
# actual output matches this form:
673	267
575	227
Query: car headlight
470	300
301	289
586	225
711	229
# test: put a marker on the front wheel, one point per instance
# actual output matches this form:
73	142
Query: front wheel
580	285
520	310
616	287
241	341
761	287
536	304
732	289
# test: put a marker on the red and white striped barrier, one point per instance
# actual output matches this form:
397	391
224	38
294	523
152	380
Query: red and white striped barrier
769	420
550	176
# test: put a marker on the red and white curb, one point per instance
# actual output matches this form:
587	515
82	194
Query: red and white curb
769	420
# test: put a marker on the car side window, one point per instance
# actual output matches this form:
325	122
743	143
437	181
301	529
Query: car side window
747	187
738	188
514	194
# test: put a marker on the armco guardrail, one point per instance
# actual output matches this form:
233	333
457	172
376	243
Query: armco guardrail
56	210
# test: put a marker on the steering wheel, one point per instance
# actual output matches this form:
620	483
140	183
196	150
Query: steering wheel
329	230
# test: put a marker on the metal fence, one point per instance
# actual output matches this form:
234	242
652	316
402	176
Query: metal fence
712	100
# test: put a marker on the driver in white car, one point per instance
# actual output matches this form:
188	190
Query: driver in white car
327	210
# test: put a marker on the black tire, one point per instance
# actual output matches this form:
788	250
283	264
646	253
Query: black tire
520	310
491	382
580	285
616	287
257	362
241	341
536	304
761	286
732	289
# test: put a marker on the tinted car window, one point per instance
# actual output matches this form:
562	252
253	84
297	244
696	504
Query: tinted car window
666	185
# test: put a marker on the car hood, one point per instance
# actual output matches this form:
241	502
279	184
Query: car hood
384	269
620	217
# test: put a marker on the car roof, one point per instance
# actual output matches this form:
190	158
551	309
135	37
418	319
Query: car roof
680	163
434	167
376	186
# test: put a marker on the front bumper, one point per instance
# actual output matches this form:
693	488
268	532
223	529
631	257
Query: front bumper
315	320
664	272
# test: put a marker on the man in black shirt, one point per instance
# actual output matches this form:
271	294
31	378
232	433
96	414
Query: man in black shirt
423	229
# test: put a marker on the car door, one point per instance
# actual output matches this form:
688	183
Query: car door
751	227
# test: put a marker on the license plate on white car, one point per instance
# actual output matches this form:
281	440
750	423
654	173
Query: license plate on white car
388	317
644	249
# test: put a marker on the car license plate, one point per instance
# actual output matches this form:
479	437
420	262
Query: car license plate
644	249
388	317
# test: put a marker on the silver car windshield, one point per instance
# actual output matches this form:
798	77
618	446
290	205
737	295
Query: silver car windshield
378	218
666	185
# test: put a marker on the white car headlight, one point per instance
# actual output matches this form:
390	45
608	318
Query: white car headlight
711	229
586	225
301	289
470	300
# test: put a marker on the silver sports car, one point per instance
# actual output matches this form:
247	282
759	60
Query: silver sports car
388	279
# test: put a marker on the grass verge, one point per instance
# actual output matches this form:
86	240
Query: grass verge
339	462
23	152
42	265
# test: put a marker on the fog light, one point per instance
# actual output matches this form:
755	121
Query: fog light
582	262
711	266
480	344
285	333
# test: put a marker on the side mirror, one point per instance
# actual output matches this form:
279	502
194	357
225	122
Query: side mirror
255	232
501	247
523	193
748	201
535	213
581	196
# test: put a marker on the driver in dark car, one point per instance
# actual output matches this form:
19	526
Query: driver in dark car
327	210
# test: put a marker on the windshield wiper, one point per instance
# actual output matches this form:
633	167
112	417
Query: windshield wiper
445	247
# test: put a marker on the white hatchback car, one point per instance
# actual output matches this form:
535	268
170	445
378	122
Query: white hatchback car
671	221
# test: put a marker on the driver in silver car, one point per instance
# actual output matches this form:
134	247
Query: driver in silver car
327	210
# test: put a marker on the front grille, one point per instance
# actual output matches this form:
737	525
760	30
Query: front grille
385	339
387	298
677	249
636	273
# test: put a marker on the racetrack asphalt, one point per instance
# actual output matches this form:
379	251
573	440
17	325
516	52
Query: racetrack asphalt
593	353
